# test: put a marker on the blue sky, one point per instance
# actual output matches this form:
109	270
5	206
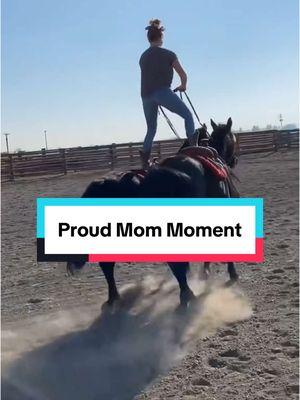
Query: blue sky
71	66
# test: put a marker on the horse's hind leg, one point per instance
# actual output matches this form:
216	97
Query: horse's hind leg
232	272
73	266
180	270
108	271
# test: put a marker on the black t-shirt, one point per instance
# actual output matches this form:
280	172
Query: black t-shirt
156	69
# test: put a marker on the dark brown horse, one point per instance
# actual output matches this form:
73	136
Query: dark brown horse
175	177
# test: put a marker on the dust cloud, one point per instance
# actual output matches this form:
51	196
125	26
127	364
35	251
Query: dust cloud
65	356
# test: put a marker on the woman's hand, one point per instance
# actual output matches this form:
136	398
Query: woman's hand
180	88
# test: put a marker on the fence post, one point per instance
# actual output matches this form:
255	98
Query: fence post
11	167
113	156
238	144
130	154
276	140
64	160
289	142
158	150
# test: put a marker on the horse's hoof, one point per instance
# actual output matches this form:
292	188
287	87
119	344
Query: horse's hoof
73	267
186	296
181	310
112	303
205	275
232	281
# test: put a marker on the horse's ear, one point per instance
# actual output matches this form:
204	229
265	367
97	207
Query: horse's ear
213	124
229	123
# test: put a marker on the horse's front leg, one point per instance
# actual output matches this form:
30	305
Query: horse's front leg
180	270
232	272
108	271
206	270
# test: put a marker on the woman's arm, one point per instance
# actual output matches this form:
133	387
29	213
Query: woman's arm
182	75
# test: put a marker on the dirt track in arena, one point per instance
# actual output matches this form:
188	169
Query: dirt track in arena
237	343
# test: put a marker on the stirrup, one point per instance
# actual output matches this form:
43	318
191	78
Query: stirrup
145	159
193	140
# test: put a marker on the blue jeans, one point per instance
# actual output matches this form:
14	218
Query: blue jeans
167	98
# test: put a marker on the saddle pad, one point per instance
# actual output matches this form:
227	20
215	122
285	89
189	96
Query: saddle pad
218	170
196	151
208	157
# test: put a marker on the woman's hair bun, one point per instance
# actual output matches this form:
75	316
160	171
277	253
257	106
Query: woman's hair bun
155	23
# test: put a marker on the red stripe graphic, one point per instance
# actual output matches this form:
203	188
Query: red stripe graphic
257	257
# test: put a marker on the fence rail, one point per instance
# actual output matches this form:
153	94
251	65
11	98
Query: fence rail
125	155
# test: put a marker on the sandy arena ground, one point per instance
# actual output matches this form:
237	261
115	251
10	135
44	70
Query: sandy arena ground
234	343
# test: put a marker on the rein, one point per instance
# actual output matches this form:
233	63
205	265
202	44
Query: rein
193	108
169	122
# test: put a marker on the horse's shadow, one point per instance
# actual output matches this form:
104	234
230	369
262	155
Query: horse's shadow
115	358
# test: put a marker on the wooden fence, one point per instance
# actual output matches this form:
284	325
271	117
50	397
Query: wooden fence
125	155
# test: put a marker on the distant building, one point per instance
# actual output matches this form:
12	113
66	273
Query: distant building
290	126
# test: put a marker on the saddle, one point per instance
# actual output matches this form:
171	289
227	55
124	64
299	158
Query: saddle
207	156
210	160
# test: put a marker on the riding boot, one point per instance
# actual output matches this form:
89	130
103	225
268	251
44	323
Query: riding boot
145	156
193	139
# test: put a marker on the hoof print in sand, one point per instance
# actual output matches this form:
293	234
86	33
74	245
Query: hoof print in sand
271	371
230	353
216	363
237	367
282	246
278	271
292	389
199	381
228	332
35	300
293	353
276	350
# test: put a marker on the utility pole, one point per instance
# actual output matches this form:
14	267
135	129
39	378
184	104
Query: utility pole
6	141
46	143
281	120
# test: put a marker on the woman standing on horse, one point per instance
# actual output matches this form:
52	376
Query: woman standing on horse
157	65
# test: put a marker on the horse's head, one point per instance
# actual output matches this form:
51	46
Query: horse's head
224	141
